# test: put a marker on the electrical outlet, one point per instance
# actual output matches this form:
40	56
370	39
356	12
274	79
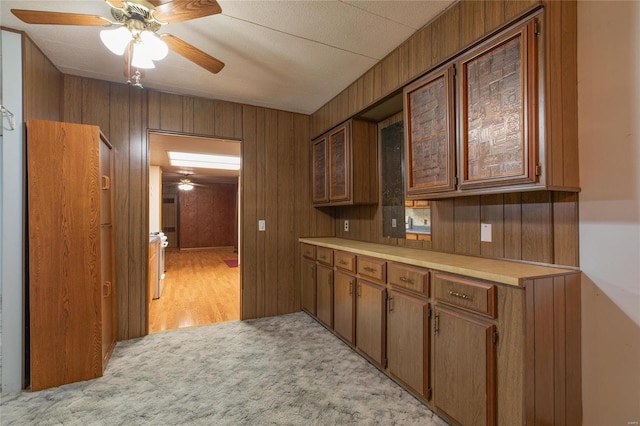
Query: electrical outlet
394	223
261	225
346	225
485	232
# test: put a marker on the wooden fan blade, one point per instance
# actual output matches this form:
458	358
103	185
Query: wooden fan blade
58	18
185	10
193	54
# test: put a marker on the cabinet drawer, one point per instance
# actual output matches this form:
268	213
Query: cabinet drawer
466	293
372	268
411	278
345	261
309	251
324	255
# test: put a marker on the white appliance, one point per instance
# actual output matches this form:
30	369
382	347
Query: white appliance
161	269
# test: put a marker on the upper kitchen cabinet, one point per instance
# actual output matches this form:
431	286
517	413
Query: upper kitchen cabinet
430	134
345	165
487	121
498	115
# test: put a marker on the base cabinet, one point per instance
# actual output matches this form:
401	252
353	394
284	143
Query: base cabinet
464	367
370	321
408	341
344	286
309	286
324	295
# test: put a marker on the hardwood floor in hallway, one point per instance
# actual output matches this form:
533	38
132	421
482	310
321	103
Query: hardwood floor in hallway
199	289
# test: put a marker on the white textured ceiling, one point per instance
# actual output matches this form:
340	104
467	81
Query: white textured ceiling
289	55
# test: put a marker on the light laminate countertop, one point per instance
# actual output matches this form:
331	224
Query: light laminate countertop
500	271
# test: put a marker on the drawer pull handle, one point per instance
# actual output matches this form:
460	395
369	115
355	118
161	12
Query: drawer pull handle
106	182
322	257
342	262
391	304
359	290
406	280
436	324
369	269
106	286
460	295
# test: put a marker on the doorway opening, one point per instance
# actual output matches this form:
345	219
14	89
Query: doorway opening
194	206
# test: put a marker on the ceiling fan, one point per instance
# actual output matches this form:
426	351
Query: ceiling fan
186	184
136	36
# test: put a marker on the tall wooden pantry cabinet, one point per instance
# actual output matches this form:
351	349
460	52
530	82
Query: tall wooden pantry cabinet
71	252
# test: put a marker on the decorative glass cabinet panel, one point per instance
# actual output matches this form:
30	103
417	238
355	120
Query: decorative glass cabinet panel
497	88
429	138
320	171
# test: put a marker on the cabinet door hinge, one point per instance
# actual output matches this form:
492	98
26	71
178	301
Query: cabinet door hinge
429	313
494	337
538	169
429	393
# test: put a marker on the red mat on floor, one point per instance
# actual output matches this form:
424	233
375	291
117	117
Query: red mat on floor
233	263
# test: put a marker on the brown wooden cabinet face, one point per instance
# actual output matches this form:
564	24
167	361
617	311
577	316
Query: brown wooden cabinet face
339	164
320	171
430	134
324	295
408	340
497	87
344	287
370	320
464	367
308	289
105	182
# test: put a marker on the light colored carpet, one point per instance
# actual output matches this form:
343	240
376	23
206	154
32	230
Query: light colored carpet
285	370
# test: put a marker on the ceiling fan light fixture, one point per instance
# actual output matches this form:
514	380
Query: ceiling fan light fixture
155	48
141	58
185	186
116	40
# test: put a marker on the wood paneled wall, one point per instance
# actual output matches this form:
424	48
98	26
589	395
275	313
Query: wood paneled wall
274	182
208	216
41	84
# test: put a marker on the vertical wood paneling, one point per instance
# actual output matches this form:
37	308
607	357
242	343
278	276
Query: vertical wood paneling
553	86
42	84
138	215
472	21
261	209
573	348
153	109
537	244
353	100
302	191
404	73
467	225
494	14
207	216
420	52
442	225
72	108
514	8
368	87
95	104
187	114
204	116
249	209
119	131
492	212
225	119
565	229
170	112
559	351
544	354
513	226
286	235
390	67
569	41
445	34
272	152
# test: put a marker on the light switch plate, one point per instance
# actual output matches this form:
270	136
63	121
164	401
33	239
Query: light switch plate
261	225
485	232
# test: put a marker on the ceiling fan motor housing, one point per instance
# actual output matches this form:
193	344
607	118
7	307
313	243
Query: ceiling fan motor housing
135	17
